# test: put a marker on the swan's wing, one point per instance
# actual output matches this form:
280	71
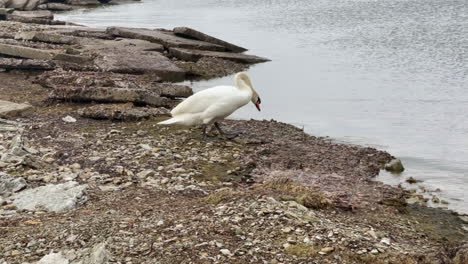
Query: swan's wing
202	100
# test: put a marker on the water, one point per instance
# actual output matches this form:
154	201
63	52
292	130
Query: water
391	74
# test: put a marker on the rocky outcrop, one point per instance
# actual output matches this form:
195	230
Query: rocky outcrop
164	37
195	55
192	33
118	65
60	5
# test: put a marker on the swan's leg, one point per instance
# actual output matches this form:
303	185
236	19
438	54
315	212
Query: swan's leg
224	134
207	137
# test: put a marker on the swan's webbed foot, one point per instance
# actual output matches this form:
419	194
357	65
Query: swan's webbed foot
226	135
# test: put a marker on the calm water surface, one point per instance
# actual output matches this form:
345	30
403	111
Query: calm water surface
391	74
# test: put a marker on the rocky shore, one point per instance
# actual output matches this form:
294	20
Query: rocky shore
86	175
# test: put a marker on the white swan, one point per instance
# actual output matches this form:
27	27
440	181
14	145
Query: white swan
214	104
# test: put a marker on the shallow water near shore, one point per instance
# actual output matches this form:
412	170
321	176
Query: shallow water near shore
388	74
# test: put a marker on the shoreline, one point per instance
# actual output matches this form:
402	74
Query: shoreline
161	194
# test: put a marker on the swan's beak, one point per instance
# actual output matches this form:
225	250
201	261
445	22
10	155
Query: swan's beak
257	104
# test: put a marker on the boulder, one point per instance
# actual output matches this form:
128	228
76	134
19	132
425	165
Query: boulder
395	166
55	198
166	38
195	55
25	52
10	184
10	109
192	33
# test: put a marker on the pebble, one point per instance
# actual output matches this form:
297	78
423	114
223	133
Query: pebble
69	119
374	251
362	251
226	252
75	166
385	241
145	174
326	250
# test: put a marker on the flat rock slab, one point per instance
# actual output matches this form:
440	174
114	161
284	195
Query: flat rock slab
43	14
55	198
166	38
45	37
97	79
56	7
171	90
10	109
192	33
126	61
111	95
208	68
25	64
10	184
25	52
195	55
121	112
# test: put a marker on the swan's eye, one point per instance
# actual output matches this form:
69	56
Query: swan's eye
259	101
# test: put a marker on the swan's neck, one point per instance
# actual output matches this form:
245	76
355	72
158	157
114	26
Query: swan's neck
242	85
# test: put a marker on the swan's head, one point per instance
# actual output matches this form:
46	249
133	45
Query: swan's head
255	97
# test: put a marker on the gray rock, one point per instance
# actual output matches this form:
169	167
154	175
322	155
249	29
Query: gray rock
194	55
192	33
56	198
10	109
25	52
165	38
99	255
10	184
53	258
16	4
395	166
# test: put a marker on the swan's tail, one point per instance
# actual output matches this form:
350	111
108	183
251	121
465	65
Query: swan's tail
185	119
170	121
